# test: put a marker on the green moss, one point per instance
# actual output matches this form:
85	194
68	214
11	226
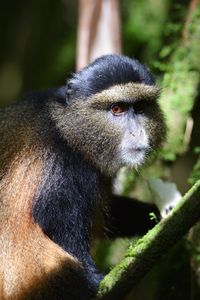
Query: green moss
180	86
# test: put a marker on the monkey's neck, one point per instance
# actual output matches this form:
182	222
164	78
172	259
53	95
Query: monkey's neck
67	200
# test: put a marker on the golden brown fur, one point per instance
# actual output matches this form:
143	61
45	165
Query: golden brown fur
28	257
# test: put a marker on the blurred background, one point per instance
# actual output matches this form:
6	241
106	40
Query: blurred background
38	40
43	42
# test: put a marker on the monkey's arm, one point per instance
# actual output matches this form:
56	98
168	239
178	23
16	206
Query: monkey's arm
129	217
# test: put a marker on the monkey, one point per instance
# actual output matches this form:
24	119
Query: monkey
59	151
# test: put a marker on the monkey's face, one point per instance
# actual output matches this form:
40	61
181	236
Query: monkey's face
132	114
119	126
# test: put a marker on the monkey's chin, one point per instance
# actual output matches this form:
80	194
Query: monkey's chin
133	158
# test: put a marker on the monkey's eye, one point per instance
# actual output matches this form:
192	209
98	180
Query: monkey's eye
118	108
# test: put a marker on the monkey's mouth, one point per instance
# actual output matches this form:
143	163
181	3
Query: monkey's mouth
139	150
134	156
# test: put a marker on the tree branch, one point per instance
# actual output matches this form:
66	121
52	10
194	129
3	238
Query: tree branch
144	255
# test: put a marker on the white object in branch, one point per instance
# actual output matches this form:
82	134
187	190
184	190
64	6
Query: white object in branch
165	195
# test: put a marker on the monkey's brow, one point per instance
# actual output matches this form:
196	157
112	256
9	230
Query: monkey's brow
104	102
128	93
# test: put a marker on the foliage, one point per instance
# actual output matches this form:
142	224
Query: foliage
143	27
178	99
196	170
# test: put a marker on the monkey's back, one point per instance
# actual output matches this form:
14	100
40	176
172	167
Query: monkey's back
32	266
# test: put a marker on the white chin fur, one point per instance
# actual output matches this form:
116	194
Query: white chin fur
132	158
132	152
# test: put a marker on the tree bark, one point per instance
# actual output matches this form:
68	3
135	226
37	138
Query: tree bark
98	30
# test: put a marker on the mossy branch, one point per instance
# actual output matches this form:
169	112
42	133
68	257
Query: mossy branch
144	255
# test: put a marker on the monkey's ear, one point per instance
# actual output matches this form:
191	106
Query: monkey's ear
68	91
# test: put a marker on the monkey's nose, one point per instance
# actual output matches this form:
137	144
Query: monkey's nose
134	135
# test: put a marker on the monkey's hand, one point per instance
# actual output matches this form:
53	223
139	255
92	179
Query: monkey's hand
165	195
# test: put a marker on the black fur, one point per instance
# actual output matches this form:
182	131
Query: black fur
39	97
129	217
66	202
107	71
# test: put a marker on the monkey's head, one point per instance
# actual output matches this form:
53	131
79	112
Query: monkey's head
111	115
